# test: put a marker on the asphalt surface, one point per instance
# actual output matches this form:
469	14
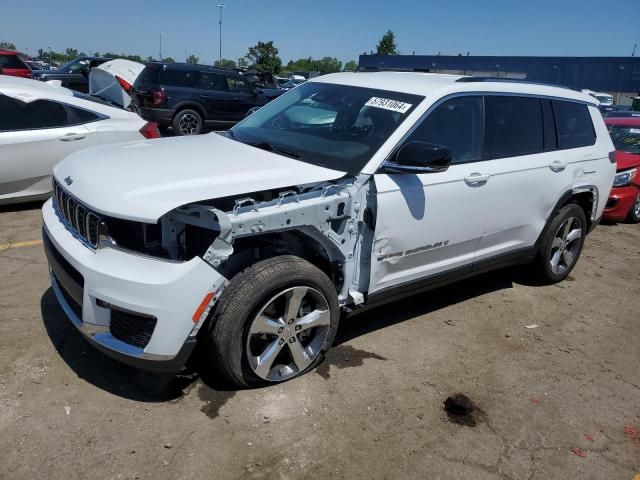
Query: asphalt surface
552	372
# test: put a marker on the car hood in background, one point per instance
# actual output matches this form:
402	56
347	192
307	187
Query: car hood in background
103	80
626	160
144	180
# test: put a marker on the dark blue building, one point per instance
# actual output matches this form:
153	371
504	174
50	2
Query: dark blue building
601	74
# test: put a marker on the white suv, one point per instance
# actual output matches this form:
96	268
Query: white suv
348	191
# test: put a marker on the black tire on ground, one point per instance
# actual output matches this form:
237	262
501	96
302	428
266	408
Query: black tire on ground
552	236
187	122
247	294
634	211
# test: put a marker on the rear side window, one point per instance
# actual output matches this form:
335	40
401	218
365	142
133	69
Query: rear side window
78	116
179	78
238	85
149	75
513	126
573	124
455	124
12	61
31	116
212	81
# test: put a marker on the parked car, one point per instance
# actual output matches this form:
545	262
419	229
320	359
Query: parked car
74	74
41	124
624	200
190	97
114	80
606	103
254	240
621	112
13	65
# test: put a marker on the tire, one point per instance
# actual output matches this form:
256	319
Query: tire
634	211
561	246
250	322
187	122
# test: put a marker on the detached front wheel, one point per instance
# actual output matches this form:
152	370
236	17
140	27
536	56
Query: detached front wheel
273	322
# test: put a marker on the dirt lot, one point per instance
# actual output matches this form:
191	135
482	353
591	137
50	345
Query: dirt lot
372	410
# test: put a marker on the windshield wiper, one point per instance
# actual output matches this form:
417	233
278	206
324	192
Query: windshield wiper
269	147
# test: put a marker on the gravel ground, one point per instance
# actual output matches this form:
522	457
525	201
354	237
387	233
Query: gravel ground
558	401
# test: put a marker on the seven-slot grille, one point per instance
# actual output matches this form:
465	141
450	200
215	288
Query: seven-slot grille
78	218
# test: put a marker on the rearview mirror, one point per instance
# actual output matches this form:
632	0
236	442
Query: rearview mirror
419	157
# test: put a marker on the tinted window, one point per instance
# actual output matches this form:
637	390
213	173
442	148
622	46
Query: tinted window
212	81
238	84
32	115
179	78
149	75
77	116
573	124
457	125
513	126
12	61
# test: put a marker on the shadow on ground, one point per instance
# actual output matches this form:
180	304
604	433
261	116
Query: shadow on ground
126	382
22	207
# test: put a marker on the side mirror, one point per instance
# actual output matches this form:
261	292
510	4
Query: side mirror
419	157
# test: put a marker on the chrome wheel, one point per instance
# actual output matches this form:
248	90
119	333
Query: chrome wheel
636	207
189	124
288	333
566	245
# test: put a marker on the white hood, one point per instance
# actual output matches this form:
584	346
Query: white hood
103	82
144	180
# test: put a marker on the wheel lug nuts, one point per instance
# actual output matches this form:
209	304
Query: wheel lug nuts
292	339
281	341
298	327
290	321
280	329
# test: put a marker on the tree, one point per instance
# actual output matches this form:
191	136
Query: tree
8	45
224	63
351	66
387	44
192	59
40	54
242	62
328	65
71	52
264	57
168	60
96	54
149	59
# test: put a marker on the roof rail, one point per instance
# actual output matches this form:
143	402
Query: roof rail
509	80
393	69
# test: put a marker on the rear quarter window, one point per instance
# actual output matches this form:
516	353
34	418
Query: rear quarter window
149	75
573	124
179	78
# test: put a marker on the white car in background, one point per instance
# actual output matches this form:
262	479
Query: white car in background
114	80
41	124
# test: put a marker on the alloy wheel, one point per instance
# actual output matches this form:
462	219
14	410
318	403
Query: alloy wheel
288	333
636	207
566	245
189	124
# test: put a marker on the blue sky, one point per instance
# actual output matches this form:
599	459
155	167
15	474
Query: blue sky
343	29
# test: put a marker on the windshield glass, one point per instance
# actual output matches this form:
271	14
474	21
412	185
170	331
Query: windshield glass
626	139
67	66
334	126
605	99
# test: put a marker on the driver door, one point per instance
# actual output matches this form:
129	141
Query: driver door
430	224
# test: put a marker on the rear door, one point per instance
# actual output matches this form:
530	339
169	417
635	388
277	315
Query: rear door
243	96
431	223
213	92
33	138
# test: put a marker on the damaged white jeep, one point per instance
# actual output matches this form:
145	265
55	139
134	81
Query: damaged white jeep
350	190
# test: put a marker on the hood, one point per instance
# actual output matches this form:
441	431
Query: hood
107	80
144	180
626	160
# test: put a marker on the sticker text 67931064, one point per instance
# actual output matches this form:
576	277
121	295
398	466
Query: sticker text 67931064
388	104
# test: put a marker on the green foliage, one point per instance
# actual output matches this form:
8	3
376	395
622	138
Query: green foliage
224	63
243	63
71	52
133	58
8	45
324	65
387	44
168	60
264	57
192	59
350	66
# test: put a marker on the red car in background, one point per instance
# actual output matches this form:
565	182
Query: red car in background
624	200
12	64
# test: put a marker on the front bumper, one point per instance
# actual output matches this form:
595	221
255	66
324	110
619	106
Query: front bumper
92	285
620	202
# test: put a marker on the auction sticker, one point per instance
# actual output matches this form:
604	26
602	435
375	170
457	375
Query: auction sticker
388	104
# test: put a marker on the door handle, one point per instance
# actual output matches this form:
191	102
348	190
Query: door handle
476	179
71	137
557	166
588	172
205	96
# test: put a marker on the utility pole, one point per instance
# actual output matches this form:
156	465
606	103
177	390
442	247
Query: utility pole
633	54
160	53
220	7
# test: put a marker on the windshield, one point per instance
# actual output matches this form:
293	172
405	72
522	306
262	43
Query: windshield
605	99
625	139
333	126
67	66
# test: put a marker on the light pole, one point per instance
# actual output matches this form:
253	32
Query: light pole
220	7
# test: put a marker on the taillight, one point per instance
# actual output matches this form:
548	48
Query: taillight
158	97
612	157
150	130
127	87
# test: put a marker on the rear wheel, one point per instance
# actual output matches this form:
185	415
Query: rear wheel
187	122
634	212
273	322
561	244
